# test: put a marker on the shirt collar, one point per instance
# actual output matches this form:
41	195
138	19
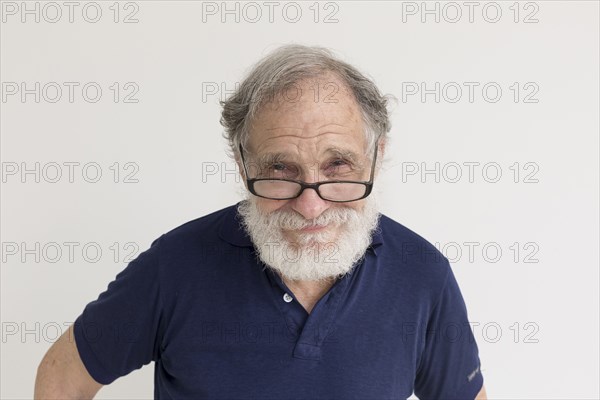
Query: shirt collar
233	232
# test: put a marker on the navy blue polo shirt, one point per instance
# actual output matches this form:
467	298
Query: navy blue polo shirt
219	325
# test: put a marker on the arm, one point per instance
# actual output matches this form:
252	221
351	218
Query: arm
61	373
482	394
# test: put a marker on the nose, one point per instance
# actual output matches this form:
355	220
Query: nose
309	204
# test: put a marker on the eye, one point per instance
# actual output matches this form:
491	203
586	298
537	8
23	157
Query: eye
338	163
338	166
281	171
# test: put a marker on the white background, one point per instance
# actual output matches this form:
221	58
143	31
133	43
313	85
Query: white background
540	318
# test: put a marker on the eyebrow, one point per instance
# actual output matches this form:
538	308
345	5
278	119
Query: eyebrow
272	158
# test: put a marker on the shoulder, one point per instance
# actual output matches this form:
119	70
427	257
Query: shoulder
411	256
197	234
205	227
412	246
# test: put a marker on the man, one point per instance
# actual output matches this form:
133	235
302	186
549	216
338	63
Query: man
303	290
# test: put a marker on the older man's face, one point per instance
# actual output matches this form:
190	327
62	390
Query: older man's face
310	132
317	137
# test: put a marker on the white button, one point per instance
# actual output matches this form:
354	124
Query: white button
287	298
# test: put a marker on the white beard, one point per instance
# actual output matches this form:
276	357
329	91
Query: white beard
315	256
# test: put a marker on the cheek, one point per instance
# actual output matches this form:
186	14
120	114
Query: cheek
356	205
268	206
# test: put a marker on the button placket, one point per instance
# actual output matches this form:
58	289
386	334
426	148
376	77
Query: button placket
319	323
292	313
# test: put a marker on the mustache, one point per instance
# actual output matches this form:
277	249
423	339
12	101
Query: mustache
291	220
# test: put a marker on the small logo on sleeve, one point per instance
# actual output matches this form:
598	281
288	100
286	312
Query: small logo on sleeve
472	374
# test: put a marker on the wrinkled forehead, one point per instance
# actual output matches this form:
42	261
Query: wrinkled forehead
321	117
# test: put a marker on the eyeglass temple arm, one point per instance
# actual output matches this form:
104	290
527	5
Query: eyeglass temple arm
374	159
243	161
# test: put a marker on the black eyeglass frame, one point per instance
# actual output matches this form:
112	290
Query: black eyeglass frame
303	185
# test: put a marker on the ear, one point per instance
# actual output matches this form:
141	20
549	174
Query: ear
240	167
382	146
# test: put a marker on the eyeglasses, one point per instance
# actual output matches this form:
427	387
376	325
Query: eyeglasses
287	189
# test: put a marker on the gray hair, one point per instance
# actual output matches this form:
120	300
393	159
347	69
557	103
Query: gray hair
283	68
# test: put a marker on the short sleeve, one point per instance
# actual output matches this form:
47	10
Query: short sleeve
119	332
449	366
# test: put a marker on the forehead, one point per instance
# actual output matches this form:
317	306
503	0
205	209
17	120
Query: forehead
311	117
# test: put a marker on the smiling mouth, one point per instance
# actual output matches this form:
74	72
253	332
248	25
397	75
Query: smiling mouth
313	228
